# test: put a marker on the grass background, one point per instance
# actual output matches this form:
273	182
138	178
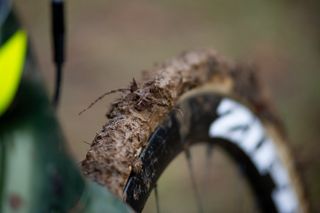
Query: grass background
111	41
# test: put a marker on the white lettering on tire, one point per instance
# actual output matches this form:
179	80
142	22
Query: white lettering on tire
239	126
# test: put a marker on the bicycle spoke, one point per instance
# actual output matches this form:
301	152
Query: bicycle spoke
193	181
238	201
208	166
156	196
207	170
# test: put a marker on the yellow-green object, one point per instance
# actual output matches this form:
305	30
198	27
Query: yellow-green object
12	56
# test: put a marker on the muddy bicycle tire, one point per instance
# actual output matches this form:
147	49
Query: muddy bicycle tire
196	97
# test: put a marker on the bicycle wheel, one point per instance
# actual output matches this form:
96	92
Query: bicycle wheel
197	97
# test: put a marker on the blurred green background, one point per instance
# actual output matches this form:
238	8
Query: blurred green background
111	41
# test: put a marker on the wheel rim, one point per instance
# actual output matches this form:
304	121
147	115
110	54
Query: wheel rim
174	135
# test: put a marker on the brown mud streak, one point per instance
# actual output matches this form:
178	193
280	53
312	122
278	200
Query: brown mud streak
132	118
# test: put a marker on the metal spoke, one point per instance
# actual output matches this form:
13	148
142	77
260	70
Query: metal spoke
156	195
193	181
238	202
208	165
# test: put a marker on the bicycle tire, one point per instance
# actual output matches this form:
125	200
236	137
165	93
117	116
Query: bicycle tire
145	131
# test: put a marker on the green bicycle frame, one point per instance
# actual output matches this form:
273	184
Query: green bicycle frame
37	173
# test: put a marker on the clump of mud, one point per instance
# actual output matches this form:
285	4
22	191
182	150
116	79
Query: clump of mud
143	105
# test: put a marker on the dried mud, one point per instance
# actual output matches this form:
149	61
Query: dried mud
143	105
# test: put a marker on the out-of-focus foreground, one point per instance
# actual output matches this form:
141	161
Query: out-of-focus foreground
111	41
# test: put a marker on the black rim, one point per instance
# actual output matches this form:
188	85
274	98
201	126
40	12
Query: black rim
173	136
